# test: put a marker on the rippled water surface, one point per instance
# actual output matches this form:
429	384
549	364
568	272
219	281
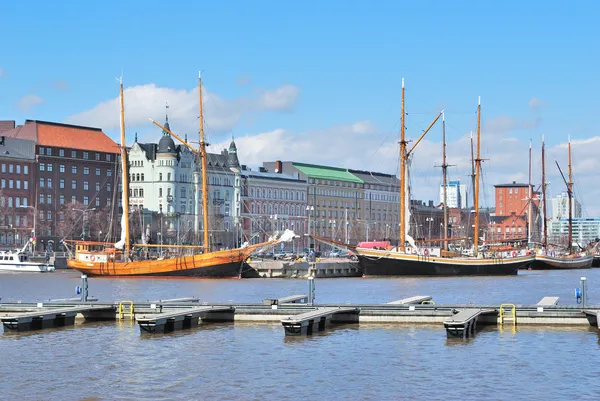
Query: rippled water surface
244	361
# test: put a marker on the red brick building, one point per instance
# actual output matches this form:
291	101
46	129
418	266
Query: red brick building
512	206
75	175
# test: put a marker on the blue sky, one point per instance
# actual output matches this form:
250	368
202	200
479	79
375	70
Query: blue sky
329	65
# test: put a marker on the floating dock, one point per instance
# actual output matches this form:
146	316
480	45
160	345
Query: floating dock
296	314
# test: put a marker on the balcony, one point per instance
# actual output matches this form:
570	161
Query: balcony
218	201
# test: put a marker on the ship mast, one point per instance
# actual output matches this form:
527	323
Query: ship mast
125	195
570	193
530	200
472	168
545	220
204	170
445	181
402	177
477	172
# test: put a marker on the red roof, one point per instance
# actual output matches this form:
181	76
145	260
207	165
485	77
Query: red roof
60	135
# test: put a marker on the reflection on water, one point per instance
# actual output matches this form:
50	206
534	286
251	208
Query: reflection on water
255	361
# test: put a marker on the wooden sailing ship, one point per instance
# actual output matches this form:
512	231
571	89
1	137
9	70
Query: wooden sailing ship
546	258
422	261
100	259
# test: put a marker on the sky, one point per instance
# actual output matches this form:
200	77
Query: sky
320	82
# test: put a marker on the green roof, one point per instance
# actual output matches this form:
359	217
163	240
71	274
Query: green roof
327	173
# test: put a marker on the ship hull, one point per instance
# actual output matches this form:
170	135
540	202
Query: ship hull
596	261
215	264
386	264
543	262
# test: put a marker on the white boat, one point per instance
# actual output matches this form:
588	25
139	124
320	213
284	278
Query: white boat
19	261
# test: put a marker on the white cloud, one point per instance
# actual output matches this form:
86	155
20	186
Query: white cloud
361	145
282	98
148	101
27	102
536	104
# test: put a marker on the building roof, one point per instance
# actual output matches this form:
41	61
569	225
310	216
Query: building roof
270	176
327	173
47	133
6	125
513	185
369	177
13	148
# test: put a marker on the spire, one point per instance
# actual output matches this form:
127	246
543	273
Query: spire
135	137
165	133
185	138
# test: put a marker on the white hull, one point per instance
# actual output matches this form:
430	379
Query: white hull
26	267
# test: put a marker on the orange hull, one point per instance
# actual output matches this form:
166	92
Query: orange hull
227	263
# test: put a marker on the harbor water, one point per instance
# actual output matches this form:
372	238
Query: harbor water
244	361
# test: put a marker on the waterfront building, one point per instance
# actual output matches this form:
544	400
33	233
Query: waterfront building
75	181
17	158
585	230
511	220
456	194
337	197
560	207
272	201
166	192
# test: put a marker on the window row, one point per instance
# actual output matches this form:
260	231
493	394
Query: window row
14	168
277	194
273	209
82	154
13	184
10	202
14	221
61	168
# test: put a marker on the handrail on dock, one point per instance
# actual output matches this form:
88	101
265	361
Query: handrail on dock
513	313
126	309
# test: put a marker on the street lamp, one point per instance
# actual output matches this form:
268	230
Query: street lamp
34	222
85	212
309	209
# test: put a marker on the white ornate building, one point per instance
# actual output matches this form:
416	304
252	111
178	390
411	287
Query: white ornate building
165	190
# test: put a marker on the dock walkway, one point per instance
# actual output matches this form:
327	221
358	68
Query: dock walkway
316	320
464	323
48	317
179	319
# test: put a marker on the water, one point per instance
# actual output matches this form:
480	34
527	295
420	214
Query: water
244	361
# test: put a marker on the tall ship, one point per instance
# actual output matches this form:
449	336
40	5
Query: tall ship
416	260
103	259
554	257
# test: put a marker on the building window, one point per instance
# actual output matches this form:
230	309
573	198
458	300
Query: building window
159	176
25	184
62	200
25	169
97	200
49	151
42	199
74	169
73	199
107	187
42	167
85	155
42	182
49	182
61	184
73	184
142	176
61	168
168	176
86	171
85	186
108	172
18	184
61	152
73	154
18	169
97	171
97	187
49	166
97	156
42	151
85	201
160	192
49	199
141	192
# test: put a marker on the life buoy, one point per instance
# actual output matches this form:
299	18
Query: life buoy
514	254
426	252
92	258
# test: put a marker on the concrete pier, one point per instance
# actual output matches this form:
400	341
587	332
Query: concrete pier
48	317
328	268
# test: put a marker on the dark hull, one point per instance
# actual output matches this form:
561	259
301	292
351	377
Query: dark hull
596	261
225	270
552	263
399	267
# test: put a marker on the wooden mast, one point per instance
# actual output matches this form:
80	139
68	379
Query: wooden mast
445	180
204	170
570	193
477	172
472	168
545	222
402	177
125	173
530	200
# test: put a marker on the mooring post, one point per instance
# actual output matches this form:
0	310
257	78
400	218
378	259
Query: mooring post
311	290
583	291
84	288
